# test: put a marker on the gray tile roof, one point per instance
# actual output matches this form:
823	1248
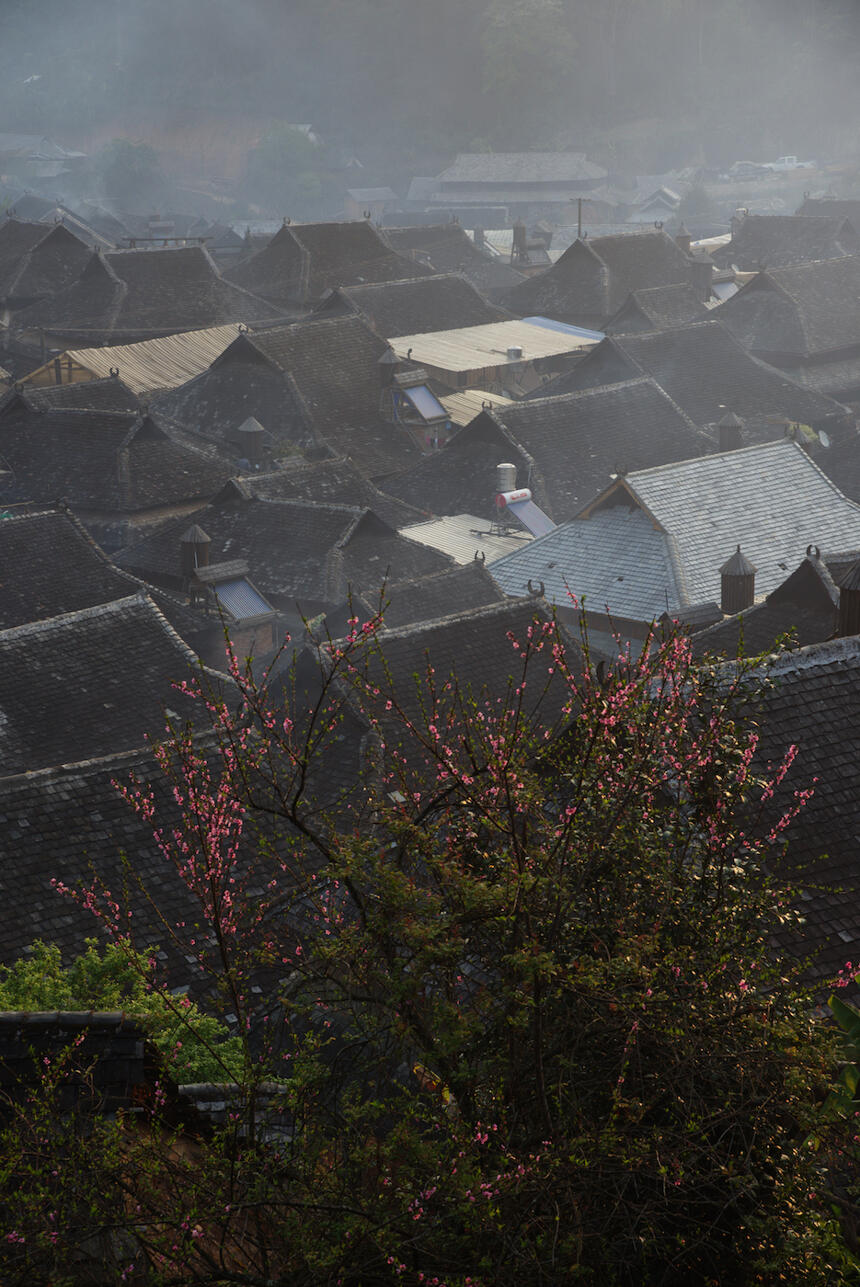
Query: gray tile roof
51	566
780	241
813	702
566	449
330	482
771	499
134	294
438	303
103	461
654	309
706	372
447	248
53	261
810	309
593	278
296	550
617	561
88	684
303	261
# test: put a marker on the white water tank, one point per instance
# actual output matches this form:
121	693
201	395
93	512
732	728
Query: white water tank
506	477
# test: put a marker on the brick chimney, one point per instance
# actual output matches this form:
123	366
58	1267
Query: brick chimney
737	584
251	436
701	274
849	602
194	551
731	430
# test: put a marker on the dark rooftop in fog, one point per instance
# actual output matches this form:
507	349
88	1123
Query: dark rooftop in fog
813	702
447	248
86	395
103	462
37	260
125	295
803	310
296	550
302	261
330	482
656	309
593	277
88	683
780	241
438	303
566	448
334	365
51	566
706	372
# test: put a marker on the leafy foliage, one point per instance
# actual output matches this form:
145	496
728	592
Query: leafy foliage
195	1046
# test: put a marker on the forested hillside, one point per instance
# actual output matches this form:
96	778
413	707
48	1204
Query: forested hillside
664	82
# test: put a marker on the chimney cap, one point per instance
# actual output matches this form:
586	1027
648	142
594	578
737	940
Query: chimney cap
195	536
738	565
251	425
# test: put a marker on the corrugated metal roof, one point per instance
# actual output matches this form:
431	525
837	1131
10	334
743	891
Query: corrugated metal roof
464	406
478	348
157	364
462	536
241	600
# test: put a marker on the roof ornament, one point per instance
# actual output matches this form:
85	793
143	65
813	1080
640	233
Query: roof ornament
480	556
243	328
658	224
812	551
486	404
367	214
537	594
114	372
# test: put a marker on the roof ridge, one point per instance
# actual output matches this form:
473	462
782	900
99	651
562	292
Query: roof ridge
113	607
506	605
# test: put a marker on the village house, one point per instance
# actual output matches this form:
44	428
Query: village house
781	241
446	302
509	357
37	261
805	321
447	248
128	295
304	556
120	473
707	372
316	385
145	367
565	450
655	541
529	184
594	277
304	260
804	610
